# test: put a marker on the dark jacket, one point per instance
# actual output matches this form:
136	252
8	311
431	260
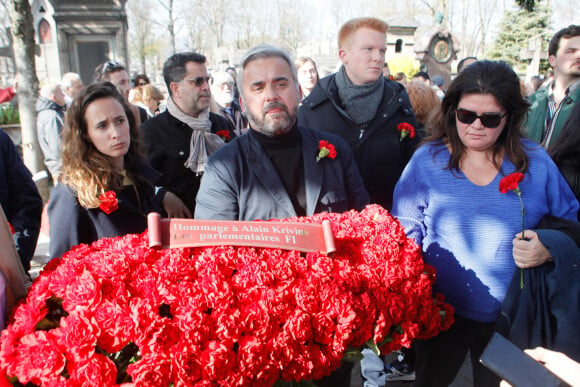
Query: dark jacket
546	311
72	224
566	150
49	124
143	116
378	151
20	200
167	141
241	183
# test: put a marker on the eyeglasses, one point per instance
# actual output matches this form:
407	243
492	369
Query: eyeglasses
142	84
199	81
489	120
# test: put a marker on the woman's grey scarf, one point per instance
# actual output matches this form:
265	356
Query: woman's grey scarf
203	142
361	102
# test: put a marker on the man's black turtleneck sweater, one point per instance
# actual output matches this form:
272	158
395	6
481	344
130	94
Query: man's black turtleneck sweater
285	152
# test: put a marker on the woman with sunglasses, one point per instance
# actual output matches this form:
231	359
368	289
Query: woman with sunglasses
106	187
448	200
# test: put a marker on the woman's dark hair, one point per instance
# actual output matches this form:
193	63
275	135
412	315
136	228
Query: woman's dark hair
86	169
494	78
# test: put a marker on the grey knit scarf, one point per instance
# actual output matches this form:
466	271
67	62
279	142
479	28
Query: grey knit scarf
361	102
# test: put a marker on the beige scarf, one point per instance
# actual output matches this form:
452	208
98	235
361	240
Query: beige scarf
203	142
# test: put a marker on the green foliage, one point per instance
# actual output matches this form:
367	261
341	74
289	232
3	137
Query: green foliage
405	64
517	28
9	115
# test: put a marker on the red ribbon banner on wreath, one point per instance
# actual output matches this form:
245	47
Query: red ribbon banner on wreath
172	233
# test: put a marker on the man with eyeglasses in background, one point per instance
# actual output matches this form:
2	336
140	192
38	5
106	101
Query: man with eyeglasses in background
116	73
179	140
222	90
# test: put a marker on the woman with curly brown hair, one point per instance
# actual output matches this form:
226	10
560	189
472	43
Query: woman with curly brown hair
106	187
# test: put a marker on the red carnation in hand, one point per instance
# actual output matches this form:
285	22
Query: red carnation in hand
510	182
109	202
224	135
406	129
325	149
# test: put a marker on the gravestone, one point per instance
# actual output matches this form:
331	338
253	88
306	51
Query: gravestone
77	36
436	49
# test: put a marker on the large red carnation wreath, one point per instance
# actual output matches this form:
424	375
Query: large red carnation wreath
118	312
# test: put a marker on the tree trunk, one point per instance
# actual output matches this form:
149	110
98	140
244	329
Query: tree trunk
171	27
23	45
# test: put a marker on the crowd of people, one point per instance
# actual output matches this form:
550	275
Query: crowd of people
241	144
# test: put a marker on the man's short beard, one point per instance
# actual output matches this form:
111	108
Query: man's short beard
277	127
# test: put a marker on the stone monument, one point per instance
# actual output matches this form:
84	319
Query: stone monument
436	49
75	36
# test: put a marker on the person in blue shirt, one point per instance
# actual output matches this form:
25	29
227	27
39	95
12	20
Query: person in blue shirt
448	200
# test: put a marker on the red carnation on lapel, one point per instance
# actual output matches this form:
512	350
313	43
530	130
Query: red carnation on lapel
325	149
406	129
109	202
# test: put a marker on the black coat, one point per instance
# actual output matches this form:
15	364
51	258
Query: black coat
20	200
167	141
379	153
546	311
71	224
566	151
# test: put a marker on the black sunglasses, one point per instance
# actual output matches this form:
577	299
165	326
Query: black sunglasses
111	67
199	81
489	120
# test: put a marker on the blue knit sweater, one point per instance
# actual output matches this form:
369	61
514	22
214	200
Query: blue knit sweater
466	230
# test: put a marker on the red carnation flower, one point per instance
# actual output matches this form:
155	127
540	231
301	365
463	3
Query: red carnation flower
510	182
406	129
98	370
325	149
224	135
109	202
